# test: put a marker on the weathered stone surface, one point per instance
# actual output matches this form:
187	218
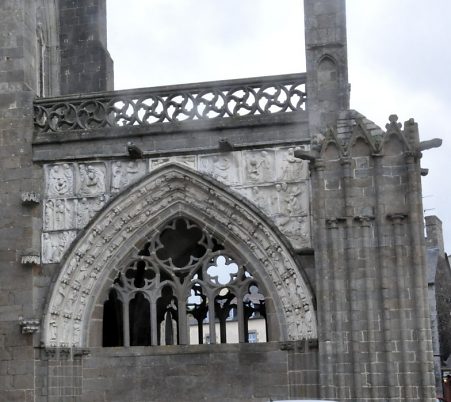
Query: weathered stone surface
335	236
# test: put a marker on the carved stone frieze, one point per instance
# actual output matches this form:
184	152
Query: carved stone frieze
272	179
124	223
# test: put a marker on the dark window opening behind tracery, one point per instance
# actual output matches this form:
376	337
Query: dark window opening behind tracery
183	287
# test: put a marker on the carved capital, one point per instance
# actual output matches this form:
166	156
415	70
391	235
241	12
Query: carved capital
30	257
334	223
364	220
413	155
31	198
318	165
80	352
346	161
397	218
31	326
287	346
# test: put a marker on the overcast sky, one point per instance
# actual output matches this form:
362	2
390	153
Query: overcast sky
399	59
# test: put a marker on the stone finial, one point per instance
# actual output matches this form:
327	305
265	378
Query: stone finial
30	326
397	217
31	257
30	198
393	123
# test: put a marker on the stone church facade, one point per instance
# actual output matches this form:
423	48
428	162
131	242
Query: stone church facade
133	219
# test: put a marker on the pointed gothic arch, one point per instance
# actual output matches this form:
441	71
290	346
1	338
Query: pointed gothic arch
93	260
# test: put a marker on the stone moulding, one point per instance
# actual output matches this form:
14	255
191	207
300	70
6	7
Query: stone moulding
173	104
173	191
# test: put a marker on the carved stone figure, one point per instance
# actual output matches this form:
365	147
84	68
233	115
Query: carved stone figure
117	177
48	215
293	168
92	179
278	197
124	174
65	239
48	249
98	204
252	169
260	200
293	202
259	166
54	245
83	213
59	215
53	330
189	161
61	180
76	328
220	167
156	163
133	172
297	230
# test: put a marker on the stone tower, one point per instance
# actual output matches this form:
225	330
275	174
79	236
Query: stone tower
236	240
33	57
373	319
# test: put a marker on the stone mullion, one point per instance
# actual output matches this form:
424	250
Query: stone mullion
212	317
153	323
240	317
351	268
126	320
182	322
323	291
418	261
383	278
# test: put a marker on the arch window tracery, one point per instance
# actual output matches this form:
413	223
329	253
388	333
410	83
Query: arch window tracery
183	287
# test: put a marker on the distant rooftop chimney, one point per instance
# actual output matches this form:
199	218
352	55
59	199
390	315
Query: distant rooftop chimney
434	233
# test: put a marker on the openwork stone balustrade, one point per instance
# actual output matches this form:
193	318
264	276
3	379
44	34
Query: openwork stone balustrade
172	104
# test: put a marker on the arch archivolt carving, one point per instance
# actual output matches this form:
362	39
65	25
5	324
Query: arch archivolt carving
139	213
